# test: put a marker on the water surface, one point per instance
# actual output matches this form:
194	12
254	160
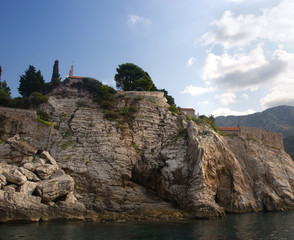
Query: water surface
277	225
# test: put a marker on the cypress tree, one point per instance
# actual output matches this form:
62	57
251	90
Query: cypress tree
55	80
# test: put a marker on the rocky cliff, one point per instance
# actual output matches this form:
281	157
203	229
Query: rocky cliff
149	163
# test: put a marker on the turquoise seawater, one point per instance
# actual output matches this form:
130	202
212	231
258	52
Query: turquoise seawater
276	225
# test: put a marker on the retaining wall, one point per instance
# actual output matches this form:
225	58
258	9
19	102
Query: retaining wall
273	139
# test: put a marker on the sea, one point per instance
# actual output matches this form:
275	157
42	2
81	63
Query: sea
269	225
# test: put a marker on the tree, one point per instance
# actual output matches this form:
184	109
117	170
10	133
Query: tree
55	80
4	86
5	99
130	77
31	81
169	98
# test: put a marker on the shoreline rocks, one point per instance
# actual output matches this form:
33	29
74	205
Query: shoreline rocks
36	190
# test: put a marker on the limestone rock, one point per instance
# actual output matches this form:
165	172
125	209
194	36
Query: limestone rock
2	180
10	188
51	189
28	174
22	147
32	166
70	198
57	173
27	188
15	176
45	171
40	161
46	155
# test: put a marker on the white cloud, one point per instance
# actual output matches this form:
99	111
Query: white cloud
228	112
227	98
245	96
191	61
217	66
109	82
195	91
241	72
275	24
202	103
133	20
281	93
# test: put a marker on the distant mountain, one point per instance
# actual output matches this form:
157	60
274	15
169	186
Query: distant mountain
289	145
276	119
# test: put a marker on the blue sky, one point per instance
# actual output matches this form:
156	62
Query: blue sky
220	57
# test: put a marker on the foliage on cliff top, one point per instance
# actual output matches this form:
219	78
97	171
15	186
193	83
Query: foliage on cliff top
55	80
37	98
99	91
131	77
31	81
210	120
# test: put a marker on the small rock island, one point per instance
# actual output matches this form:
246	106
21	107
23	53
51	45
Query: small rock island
132	158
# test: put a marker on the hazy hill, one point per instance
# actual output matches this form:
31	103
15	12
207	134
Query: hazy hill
276	119
289	145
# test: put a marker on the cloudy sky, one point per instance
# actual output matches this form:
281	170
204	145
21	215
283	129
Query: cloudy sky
220	57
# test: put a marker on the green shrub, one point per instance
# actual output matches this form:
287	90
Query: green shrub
82	104
19	103
47	122
43	115
37	98
67	133
122	95
106	104
133	109
209	121
65	145
125	111
5	99
174	109
141	152
110	115
138	98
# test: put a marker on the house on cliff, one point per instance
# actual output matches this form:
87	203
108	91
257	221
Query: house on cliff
230	130
188	111
73	79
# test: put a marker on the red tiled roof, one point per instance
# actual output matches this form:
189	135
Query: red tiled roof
229	128
76	77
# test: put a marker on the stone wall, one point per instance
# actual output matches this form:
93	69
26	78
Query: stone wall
18	113
156	94
273	139
24	122
188	111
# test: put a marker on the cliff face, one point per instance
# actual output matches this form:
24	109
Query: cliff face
148	161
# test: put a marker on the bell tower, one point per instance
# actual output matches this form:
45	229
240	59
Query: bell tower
71	71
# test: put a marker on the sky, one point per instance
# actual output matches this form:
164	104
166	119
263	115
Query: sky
220	57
